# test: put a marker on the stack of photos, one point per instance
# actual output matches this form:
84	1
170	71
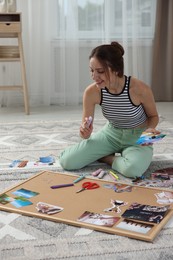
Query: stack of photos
146	213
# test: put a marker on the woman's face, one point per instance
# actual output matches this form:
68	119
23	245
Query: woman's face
98	73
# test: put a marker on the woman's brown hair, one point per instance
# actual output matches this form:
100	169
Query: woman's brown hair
110	55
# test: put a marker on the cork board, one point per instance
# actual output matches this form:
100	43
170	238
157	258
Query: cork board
94	201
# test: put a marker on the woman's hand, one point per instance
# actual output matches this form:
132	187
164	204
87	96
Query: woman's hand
153	131
86	129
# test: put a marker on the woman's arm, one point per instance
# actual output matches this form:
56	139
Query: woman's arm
151	111
91	97
143	95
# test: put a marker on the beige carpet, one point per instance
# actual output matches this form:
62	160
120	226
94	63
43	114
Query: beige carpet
23	237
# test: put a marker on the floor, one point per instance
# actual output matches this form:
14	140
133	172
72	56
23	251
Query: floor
17	114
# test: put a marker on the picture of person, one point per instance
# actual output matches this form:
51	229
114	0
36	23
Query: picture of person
128	105
98	219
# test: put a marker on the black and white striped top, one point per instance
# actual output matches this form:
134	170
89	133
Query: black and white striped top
119	109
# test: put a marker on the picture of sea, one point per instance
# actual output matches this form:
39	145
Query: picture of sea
25	193
20	202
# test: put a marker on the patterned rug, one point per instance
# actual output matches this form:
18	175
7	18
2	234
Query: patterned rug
23	237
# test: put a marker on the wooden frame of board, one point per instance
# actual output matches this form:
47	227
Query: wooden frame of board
75	204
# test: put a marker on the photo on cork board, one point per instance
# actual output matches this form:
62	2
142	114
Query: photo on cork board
134	226
146	213
98	219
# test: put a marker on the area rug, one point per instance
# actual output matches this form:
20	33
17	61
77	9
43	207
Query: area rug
23	237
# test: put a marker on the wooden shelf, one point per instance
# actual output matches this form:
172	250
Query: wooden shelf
15	87
10	27
9	53
10	17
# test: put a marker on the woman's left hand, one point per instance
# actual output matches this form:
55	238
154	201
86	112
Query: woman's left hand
153	131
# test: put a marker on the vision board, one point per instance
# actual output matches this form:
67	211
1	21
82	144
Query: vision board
115	208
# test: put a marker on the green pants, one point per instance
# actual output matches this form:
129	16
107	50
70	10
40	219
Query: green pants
134	159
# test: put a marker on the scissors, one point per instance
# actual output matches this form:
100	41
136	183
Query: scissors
88	186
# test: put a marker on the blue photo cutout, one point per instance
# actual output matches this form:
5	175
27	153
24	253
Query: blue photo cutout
149	138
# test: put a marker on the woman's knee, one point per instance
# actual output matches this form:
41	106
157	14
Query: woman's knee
70	161
65	162
132	166
67	165
132	171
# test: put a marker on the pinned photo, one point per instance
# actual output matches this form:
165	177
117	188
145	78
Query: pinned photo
25	193
122	188
19	202
98	219
165	197
116	204
48	208
4	199
118	187
134	226
146	213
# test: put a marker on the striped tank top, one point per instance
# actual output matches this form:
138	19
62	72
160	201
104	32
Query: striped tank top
119	109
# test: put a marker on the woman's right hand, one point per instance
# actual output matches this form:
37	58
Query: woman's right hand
85	129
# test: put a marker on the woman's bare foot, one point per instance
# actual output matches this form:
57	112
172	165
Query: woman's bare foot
108	159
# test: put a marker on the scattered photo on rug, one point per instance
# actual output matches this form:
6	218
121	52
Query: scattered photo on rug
166	171
18	163
42	161
48	208
161	176
19	202
98	219
156	183
134	226
25	193
146	213
165	174
4	199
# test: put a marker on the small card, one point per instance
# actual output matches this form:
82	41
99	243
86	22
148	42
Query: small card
149	138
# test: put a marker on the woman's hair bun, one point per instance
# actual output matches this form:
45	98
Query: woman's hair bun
118	47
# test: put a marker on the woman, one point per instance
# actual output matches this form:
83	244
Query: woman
128	105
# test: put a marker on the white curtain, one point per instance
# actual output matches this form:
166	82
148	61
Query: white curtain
58	36
39	27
